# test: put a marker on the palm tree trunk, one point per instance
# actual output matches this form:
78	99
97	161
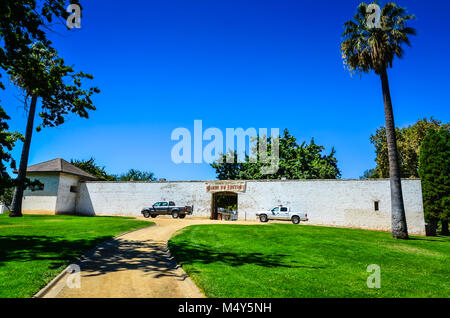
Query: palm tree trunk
16	210
399	228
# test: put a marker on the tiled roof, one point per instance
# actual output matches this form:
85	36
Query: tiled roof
60	165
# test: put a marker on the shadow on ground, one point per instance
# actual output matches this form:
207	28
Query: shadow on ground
438	238
186	253
116	255
22	248
122	255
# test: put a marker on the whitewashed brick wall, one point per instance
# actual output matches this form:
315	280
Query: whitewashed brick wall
345	203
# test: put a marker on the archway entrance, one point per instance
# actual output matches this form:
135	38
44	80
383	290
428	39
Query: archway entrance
224	206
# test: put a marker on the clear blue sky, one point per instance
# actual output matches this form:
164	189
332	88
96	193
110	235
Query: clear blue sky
234	63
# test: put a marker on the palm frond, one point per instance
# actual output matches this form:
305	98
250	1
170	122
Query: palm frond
364	49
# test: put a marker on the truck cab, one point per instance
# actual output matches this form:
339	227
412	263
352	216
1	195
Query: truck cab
167	208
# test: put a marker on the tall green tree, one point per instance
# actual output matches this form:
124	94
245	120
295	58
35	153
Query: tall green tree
91	167
409	140
94	169
23	23
296	161
370	47
136	175
434	171
6	197
7	142
44	76
229	171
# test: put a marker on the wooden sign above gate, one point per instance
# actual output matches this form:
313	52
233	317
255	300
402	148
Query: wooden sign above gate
235	186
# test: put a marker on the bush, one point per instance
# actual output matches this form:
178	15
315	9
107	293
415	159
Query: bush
434	171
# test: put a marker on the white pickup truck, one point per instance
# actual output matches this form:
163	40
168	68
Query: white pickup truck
281	212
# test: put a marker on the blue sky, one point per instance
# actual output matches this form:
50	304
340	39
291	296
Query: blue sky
161	65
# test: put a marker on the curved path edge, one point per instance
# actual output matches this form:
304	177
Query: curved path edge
136	264
53	288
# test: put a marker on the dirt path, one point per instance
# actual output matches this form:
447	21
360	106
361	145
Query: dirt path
136	264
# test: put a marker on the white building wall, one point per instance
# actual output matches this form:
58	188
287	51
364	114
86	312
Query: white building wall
128	198
66	201
346	203
42	201
3	208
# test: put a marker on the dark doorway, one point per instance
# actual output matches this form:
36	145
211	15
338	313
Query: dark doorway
224	206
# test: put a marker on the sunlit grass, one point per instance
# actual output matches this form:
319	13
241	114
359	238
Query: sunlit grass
36	248
284	260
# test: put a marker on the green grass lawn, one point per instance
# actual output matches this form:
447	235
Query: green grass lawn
284	260
36	248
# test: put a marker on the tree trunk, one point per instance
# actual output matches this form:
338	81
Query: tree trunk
431	227
398	226
445	228
16	210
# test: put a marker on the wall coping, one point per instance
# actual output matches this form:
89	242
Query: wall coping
254	181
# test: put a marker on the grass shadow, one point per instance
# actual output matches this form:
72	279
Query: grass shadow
22	248
439	238
187	254
122	255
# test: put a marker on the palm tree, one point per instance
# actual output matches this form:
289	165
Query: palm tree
39	61
367	47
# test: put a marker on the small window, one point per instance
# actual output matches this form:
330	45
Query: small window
171	203
283	209
74	189
376	205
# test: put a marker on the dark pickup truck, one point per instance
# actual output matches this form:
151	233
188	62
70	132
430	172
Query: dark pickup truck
167	208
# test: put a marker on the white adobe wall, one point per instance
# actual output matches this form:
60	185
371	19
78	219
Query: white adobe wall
128	198
3	208
66	201
347	203
41	201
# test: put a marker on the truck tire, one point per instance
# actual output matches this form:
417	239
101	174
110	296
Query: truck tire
263	218
175	214
146	214
153	215
181	216
295	219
